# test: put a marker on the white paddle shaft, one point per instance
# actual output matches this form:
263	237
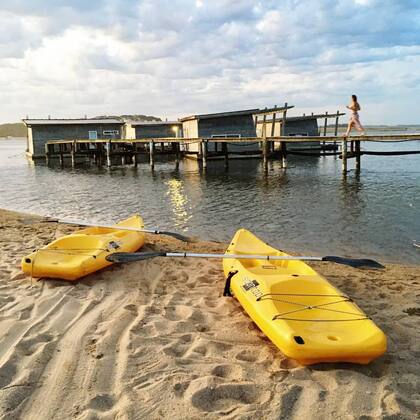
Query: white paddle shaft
243	256
118	227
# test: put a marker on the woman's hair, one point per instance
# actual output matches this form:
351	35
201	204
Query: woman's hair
354	97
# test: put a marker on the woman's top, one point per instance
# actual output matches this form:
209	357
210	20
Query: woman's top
354	107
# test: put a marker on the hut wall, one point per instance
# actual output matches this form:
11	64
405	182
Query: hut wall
190	131
307	127
129	132
155	131
302	127
30	143
231	126
43	133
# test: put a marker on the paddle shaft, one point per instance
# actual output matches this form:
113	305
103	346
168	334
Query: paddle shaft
121	257
118	227
242	256
131	229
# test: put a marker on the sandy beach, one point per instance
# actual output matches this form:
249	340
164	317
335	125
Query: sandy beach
156	339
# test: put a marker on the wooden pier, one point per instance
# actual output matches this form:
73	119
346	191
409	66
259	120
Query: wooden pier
125	151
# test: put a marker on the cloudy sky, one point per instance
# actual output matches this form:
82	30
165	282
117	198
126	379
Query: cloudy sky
170	58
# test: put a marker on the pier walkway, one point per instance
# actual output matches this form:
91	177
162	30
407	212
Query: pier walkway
129	151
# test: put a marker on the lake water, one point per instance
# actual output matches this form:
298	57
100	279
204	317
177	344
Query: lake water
308	208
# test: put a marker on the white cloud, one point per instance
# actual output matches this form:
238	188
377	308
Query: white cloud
177	57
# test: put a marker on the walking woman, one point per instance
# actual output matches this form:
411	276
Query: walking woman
354	118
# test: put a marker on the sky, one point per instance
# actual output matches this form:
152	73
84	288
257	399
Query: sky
172	58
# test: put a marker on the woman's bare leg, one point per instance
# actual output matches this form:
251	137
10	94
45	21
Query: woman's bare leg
349	128
359	127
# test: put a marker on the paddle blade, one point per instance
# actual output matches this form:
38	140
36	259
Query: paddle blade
353	262
177	236
124	257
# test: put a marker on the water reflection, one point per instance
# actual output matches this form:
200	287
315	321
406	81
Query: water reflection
307	207
180	207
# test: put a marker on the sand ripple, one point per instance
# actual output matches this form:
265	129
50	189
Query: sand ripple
156	339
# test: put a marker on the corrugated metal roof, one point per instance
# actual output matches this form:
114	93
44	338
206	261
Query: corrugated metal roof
71	121
221	114
254	111
153	122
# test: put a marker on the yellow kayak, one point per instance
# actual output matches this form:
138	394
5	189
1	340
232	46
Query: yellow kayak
306	317
83	252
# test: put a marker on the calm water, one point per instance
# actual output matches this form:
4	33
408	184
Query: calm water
308	208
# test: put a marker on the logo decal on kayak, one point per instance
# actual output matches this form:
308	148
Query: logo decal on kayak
249	285
252	285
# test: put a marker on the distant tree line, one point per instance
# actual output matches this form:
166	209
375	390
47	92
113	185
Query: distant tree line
13	130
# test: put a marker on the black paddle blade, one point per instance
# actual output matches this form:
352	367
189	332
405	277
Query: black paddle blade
353	262
177	236
124	257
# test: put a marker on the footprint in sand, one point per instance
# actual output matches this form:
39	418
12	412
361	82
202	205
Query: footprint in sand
232	372
247	356
180	388
288	401
207	279
176	350
131	308
101	402
177	313
210	302
227	396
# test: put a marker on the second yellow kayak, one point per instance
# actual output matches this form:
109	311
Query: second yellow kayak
83	252
306	317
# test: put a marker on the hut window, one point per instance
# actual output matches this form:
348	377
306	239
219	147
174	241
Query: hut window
93	135
110	132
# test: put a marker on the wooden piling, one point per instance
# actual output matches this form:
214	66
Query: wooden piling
204	153
135	157
100	152
264	151
225	153
108	154
336	126
336	123
61	156
47	154
73	153
283	145
283	122
152	154
344	156
358	156
325	125
273	127
264	143
177	153
283	152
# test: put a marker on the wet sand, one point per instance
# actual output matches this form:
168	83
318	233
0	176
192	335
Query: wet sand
156	339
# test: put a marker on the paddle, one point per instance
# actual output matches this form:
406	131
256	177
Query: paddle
122	257
152	231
